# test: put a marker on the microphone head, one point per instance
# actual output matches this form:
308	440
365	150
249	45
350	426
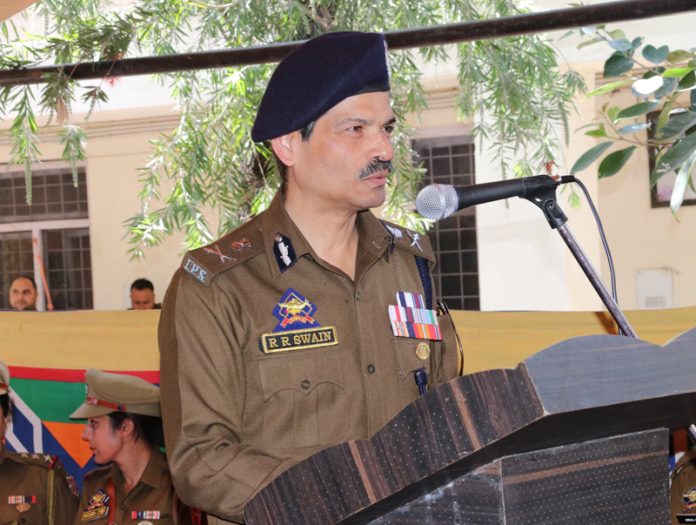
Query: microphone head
437	201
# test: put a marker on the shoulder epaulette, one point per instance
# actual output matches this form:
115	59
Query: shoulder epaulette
413	242
42	460
227	252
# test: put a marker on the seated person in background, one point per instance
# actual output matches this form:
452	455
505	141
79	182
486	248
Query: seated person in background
23	293
142	295
34	489
124	430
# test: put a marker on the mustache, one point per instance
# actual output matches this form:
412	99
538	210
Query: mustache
375	166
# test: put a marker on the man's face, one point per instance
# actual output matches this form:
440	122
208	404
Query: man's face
344	163
22	294
142	299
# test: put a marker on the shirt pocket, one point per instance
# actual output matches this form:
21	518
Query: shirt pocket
35	515
411	355
304	399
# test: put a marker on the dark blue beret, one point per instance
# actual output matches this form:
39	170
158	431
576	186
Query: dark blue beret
318	75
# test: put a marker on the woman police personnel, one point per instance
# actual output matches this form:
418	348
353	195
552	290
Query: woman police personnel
124	431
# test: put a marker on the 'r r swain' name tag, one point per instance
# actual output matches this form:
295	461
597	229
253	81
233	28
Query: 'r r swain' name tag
298	339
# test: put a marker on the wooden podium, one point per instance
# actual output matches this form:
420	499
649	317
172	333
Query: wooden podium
577	433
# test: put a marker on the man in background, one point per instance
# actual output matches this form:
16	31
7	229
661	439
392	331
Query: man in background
23	294
142	295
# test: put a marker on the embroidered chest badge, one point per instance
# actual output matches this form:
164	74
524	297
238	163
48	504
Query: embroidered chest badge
97	507
689	500
296	329
410	318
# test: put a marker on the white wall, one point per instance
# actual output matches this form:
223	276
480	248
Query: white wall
117	147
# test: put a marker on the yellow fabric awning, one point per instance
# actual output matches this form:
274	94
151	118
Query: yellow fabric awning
117	340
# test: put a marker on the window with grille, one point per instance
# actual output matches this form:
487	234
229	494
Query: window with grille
48	240
450	160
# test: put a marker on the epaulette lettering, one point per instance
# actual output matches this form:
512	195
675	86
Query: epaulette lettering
195	269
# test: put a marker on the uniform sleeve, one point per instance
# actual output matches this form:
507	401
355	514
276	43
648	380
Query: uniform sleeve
450	353
203	387
64	497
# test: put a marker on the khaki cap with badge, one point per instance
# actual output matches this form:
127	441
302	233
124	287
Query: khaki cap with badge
108	392
4	378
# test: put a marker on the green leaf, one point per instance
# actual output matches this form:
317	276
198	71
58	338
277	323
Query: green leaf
679	55
591	42
677	72
687	82
663	117
611	86
613	162
654	54
637	42
682	182
613	113
637	109
667	88
677	154
620	45
676	125
633	128
617	34
599	132
617	65
589	157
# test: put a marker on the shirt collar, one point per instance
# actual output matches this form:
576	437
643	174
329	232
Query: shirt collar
152	475
373	238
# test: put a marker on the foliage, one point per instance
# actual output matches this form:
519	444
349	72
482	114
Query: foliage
663	81
208	166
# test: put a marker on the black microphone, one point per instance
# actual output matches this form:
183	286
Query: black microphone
438	201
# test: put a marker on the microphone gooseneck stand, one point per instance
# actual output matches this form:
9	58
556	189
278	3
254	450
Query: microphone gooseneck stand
545	199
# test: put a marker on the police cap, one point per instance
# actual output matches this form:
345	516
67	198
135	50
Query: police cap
318	75
108	393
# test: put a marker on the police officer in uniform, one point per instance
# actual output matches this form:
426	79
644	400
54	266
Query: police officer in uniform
34	488
124	431
314	323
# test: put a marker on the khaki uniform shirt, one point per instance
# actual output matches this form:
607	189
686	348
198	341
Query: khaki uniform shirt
35	490
151	501
240	404
683	490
